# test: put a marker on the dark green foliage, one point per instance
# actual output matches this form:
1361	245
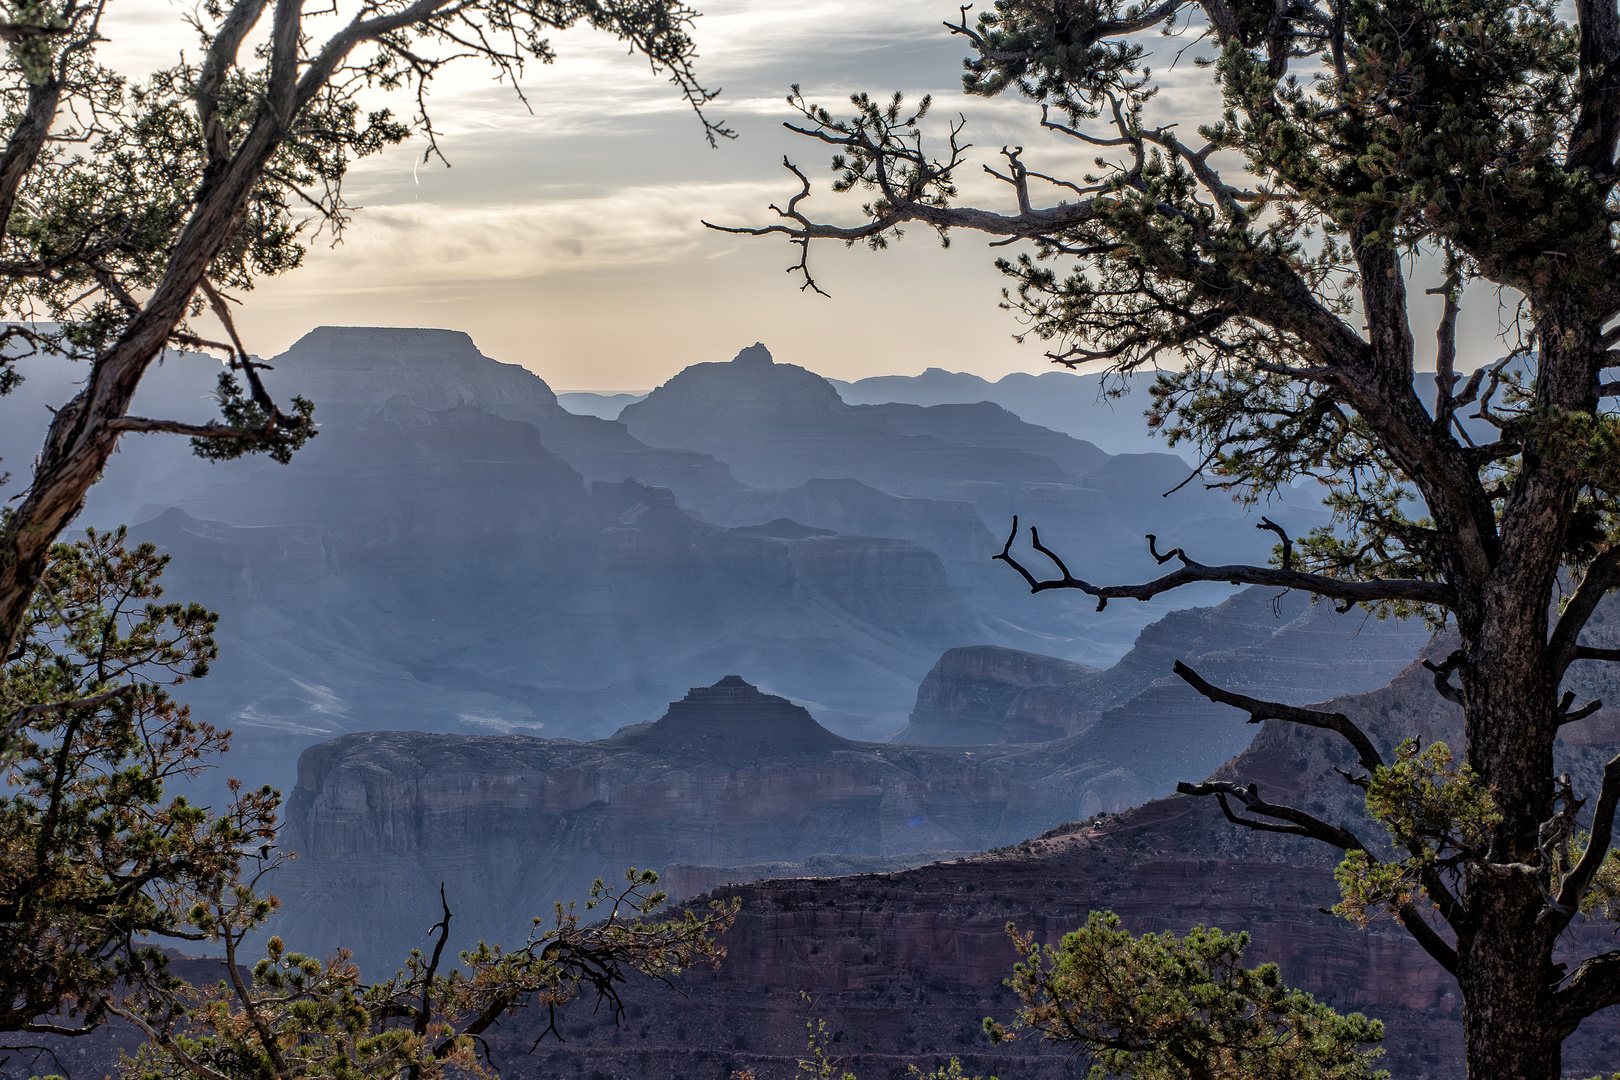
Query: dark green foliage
95	854
264	430
1159	1007
300	1017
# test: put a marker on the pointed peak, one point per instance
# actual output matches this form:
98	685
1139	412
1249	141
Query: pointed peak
734	721
754	354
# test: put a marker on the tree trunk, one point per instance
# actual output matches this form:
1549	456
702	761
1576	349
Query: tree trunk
1506	985
1510	695
80	442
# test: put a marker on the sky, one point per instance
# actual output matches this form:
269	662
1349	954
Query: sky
569	239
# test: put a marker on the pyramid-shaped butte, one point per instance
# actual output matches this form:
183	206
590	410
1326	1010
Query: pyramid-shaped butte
732	721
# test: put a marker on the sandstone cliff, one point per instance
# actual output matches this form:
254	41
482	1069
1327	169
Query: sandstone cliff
729	777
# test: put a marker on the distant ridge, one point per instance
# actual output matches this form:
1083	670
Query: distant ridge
1065	401
781	425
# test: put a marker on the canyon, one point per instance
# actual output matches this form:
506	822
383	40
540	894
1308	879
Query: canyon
457	553
732	784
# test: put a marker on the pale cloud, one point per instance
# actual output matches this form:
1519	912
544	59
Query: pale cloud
411	246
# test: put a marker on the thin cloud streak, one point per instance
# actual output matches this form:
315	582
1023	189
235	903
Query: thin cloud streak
411	246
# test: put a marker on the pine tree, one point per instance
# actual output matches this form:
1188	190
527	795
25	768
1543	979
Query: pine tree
1266	264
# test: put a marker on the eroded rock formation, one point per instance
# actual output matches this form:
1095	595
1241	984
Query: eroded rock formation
729	777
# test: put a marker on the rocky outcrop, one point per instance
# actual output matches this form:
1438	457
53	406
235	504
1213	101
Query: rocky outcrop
988	694
728	778
730	784
1280	646
733	723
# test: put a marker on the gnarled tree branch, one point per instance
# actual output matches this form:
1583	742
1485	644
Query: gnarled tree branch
1354	592
1259	710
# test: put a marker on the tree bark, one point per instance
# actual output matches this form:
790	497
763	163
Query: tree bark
1506	984
1510	707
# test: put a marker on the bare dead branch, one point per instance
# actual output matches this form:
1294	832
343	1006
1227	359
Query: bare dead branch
1287	818
1293	822
1259	710
1287	544
1352	592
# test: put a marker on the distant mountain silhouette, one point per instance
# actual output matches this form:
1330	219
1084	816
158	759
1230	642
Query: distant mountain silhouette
1075	404
604	406
457	553
732	721
781	425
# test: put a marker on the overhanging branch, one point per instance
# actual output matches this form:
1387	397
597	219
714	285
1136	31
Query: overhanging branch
1271	710
1287	818
1352	592
140	425
1293	822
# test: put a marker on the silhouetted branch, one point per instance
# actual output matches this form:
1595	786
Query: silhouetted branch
1293	822
1287	544
39	1052
1259	710
1352	592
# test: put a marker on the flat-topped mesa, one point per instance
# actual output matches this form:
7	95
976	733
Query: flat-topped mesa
732	720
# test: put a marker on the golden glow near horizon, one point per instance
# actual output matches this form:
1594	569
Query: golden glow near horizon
569	240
